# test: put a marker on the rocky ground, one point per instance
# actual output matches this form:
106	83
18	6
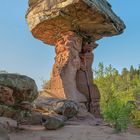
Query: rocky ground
73	130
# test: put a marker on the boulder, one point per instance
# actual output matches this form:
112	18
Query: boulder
53	121
51	112
17	92
17	88
63	107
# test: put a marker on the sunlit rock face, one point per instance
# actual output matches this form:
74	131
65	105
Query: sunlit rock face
48	18
73	26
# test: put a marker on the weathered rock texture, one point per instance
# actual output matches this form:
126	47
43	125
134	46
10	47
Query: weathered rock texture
63	107
67	62
54	121
51	112
84	78
17	92
48	18
73	26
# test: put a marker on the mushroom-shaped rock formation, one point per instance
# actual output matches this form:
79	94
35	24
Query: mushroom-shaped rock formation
73	26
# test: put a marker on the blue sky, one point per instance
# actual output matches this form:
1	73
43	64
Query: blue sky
21	53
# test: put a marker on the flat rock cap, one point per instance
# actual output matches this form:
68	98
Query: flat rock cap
47	19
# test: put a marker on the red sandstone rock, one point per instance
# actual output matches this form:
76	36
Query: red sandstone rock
67	62
47	19
73	26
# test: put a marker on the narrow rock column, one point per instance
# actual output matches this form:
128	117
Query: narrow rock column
67	62
84	79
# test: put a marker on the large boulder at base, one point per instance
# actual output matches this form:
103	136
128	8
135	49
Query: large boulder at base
53	121
21	87
51	112
63	107
17	92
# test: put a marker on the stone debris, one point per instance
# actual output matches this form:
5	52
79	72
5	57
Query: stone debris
63	107
52	113
17	93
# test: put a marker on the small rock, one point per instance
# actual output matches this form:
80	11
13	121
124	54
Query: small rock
66	108
53	121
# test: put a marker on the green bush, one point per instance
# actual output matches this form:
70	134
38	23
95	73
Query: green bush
117	89
117	113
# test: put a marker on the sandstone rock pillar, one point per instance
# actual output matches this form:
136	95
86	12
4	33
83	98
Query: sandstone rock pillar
67	62
84	78
72	75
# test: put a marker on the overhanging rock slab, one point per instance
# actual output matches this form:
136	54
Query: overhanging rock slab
47	19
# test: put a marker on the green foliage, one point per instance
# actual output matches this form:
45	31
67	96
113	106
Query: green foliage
116	91
118	113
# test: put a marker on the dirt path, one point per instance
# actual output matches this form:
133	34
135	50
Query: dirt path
72	132
75	129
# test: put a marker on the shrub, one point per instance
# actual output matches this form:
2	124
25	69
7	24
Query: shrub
117	113
117	89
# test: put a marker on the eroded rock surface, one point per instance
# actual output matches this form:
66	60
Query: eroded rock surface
63	107
84	78
54	121
52	113
73	26
67	62
17	92
47	19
